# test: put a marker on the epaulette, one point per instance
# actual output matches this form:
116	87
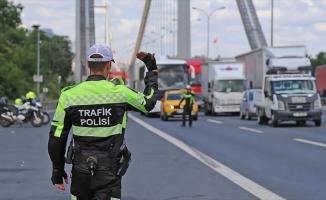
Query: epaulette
67	88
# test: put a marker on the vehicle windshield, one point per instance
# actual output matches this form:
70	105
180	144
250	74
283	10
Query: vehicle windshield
230	86
195	81
294	87
172	77
174	96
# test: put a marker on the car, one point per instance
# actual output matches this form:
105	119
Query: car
247	108
170	105
199	100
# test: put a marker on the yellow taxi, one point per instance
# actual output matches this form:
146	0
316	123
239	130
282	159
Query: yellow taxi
170	105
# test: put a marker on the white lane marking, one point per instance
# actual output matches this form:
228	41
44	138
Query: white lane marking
242	181
250	129
214	121
310	142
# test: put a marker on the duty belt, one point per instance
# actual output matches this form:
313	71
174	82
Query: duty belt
102	161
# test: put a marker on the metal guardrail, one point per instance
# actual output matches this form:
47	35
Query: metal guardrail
49	105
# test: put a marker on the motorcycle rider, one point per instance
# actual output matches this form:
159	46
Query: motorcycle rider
96	110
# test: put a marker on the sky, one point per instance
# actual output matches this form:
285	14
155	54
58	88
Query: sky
295	22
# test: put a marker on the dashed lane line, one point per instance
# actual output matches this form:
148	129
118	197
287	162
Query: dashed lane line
250	129
310	142
215	121
257	190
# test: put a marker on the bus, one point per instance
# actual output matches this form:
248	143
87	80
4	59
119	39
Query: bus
172	74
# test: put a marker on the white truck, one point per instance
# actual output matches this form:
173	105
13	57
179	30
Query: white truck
223	86
289	90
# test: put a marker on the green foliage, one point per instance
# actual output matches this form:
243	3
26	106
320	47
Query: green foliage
10	14
319	60
18	56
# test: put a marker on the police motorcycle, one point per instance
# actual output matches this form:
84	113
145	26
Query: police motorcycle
46	117
35	102
19	114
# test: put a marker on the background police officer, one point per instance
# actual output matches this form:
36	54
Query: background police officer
96	111
188	97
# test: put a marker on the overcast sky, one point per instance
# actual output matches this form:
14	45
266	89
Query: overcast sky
296	22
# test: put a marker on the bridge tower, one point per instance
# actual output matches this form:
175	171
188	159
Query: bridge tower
85	36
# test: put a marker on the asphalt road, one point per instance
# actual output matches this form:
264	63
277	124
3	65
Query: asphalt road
219	158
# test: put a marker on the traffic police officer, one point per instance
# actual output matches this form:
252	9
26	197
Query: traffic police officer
96	110
188	97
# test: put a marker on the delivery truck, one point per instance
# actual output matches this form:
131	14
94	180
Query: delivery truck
289	91
223	86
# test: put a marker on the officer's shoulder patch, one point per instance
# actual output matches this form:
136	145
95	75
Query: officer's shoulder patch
67	88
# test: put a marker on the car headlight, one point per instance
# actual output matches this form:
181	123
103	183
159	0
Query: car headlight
317	104
170	106
280	105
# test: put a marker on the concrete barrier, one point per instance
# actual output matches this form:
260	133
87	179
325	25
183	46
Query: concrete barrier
49	105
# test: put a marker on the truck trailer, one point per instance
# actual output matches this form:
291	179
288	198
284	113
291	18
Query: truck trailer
223	86
289	91
320	74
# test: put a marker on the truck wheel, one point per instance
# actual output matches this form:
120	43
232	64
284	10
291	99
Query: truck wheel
206	111
260	120
274	121
317	122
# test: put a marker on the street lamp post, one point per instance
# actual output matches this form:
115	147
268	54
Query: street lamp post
272	19
208	18
38	57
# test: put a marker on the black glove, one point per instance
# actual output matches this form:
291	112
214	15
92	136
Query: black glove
149	62
57	175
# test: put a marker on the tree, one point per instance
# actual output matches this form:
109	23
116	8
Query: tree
319	60
10	14
18	56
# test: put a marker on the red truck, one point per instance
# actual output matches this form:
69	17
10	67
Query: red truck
320	74
194	73
194	78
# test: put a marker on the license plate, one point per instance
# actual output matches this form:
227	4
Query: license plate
298	99
300	114
179	111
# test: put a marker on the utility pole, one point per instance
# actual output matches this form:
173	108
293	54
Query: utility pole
39	78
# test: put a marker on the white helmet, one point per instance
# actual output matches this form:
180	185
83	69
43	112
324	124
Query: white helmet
188	87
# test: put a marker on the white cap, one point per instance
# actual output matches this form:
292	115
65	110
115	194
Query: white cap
101	49
188	87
